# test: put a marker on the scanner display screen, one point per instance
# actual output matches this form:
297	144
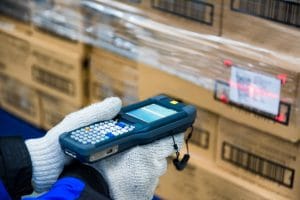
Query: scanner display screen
151	113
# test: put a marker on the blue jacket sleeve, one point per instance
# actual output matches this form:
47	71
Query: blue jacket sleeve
77	181
68	188
3	193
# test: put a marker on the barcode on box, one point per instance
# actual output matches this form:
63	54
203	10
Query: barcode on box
258	165
191	9
20	102
287	12
52	80
200	138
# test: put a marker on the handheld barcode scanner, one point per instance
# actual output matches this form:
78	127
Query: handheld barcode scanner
137	124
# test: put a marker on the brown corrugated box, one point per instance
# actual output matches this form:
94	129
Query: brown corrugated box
54	110
202	180
204	135
247	21
258	157
46	62
21	100
9	24
197	16
112	75
58	70
60	42
15	48
195	75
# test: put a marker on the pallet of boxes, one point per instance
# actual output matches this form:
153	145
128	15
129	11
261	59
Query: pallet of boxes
113	58
43	73
246	139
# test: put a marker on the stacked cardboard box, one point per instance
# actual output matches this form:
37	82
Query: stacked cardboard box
203	180
197	16
267	24
112	75
259	157
46	63
53	110
20	99
15	48
207	77
58	68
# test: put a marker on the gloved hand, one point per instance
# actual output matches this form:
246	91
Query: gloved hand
47	158
134	174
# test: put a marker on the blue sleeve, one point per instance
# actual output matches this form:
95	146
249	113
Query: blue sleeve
64	189
3	193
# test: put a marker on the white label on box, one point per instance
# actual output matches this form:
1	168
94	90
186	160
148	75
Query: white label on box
255	90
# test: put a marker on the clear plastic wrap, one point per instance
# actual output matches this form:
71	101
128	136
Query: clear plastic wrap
19	9
63	18
262	82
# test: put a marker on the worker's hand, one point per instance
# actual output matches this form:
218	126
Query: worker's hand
134	174
47	157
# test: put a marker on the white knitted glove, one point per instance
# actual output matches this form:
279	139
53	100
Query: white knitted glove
47	158
134	174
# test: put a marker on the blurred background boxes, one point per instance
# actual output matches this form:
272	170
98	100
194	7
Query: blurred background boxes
197	16
58	69
53	110
153	81
15	48
14	26
270	24
45	62
21	100
204	136
113	75
259	157
203	180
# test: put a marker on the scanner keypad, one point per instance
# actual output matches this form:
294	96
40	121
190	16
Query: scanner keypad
100	132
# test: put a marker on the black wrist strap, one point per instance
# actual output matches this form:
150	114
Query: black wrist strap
181	164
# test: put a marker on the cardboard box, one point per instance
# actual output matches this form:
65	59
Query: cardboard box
267	24
54	110
12	25
67	44
197	16
51	64
15	48
202	180
58	70
204	86
14	56
113	75
21	100
204	136
261	158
